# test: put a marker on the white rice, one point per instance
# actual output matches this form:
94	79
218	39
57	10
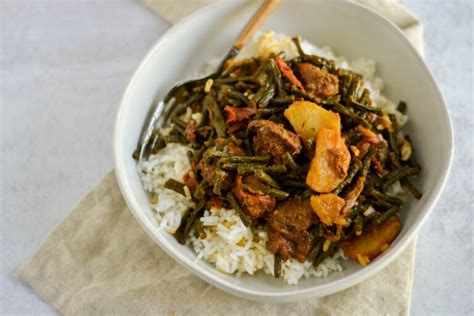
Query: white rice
229	245
170	162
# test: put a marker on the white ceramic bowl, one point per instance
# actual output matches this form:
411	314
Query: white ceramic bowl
353	31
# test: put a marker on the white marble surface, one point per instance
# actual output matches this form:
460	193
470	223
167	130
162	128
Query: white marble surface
64	65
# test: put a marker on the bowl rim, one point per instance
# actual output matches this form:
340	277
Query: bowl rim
293	293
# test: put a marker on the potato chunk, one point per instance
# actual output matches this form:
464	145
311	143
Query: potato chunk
307	118
330	162
373	240
328	208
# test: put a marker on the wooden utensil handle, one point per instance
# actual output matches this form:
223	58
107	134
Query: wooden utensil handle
257	20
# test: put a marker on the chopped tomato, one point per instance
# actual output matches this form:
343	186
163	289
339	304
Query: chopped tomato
378	166
288	73
191	131
190	181
234	114
234	127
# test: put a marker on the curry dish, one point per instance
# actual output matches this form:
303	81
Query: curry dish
299	149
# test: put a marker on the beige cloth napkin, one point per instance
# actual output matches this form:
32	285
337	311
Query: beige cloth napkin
99	261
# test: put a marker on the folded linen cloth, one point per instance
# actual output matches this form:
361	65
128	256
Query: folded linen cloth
98	260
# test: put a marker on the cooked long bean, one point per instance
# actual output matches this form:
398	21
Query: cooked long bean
368	158
290	162
307	193
157	143
234	166
269	111
239	96
200	229
325	254
393	137
174	138
365	98
358	224
179	122
236	206
198	153
260	92
279	194
230	80
395	175
180	130
345	85
341	109
389	213
354	88
402	107
193	215
356	210
229	158
217	185
362	107
175	185
219	122
277	266
280	92
302	94
353	169
413	162
283	100
266	178
380	203
180	108
248	146
201	190
295	184
316	250
405	182
408	186
384	197
273	169
266	97
179	233
297	42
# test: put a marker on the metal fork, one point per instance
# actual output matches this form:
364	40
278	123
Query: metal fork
155	114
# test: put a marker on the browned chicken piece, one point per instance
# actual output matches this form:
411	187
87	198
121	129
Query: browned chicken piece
303	246
274	140
255	203
297	248
292	216
278	244
290	221
319	83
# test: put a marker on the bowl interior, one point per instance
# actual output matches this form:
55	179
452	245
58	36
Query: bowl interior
352	31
